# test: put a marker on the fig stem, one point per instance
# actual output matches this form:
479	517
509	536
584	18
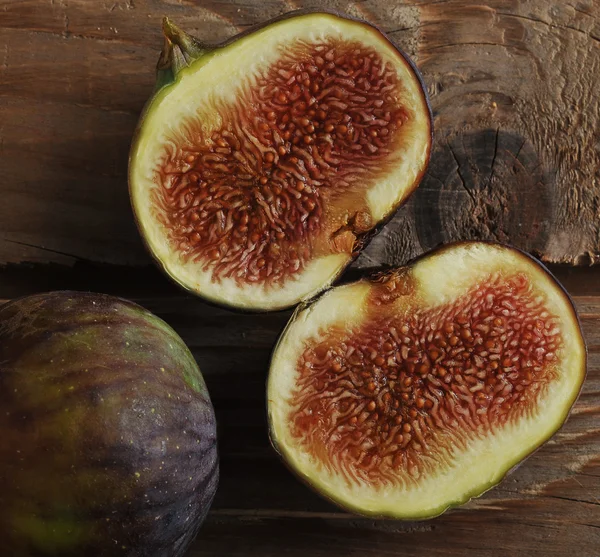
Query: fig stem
179	51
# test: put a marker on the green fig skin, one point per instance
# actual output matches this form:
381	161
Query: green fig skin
107	432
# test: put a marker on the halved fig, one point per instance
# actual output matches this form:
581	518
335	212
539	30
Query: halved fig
413	391
260	167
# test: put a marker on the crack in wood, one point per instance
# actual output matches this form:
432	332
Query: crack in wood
551	25
50	250
459	173
573	499
475	43
520	149
494	158
409	28
589	475
398	29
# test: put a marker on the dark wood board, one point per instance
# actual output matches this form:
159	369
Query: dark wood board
550	506
516	159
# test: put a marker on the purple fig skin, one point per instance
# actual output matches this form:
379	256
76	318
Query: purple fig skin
107	432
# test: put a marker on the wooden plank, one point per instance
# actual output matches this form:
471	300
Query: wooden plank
22	279
512	88
550	503
548	506
524	529
516	159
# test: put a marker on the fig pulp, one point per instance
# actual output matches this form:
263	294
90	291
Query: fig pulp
262	166
107	432
411	392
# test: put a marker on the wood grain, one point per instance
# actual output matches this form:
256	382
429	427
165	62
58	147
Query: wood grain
550	503
512	85
516	159
549	506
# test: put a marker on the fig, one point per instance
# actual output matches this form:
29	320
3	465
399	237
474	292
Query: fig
262	166
107	432
412	391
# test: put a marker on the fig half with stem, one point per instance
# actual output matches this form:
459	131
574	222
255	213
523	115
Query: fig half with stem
262	166
410	392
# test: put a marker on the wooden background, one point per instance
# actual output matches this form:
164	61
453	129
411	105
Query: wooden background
514	88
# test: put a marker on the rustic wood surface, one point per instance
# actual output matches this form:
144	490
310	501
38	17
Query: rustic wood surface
550	506
517	158
513	87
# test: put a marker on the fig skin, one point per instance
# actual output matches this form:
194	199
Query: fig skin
108	432
377	276
177	41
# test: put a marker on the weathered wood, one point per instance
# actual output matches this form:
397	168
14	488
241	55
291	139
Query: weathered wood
500	528
549	506
516	158
512	86
550	503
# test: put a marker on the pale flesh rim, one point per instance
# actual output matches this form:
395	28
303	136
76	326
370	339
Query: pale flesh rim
440	276
204	80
